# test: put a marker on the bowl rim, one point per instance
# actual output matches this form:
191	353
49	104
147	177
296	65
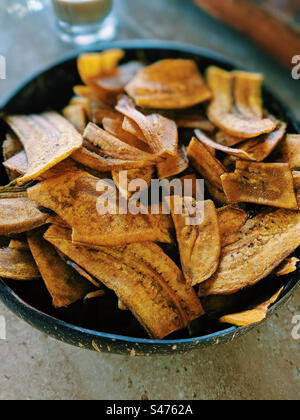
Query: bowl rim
9	295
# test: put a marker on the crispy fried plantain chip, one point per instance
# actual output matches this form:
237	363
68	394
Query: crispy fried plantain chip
96	66
101	73
161	133
131	127
80	100
16	263
227	140
17	163
261	147
221	110
173	165
194	121
10	147
169	84
231	220
216	194
290	150
76	115
86	92
98	111
111	147
125	74
47	139
115	127
248	93
296	178
56	220
253	316
270	184
122	180
90	159
288	266
78	269
205	163
63	283
75	198
20	244
191	178
18	215
261	246
241	154
95	295
200	245
143	277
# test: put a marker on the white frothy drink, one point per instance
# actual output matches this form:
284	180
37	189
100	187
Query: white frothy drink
82	12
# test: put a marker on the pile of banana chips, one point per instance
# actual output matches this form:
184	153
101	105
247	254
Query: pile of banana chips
163	121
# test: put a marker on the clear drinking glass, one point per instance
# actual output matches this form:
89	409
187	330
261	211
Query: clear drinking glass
84	22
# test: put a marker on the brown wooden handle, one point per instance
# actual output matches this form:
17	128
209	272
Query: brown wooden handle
266	29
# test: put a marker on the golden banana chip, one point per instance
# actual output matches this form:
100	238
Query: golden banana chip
161	133
76	115
125	74
142	276
288	266
20	244
248	93
17	163
17	264
95	295
10	147
227	140
231	220
18	215
111	147
261	246
205	163
200	245
290	150
75	196
296	178
93	67
47	139
169	84
173	165
63	283
98	111
131	127
122	180
100	72
270	184
253	316
221	110
195	121
241	154
261	147
115	127
90	159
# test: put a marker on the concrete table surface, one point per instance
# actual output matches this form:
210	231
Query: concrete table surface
265	364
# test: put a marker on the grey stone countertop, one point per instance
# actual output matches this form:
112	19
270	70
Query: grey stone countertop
265	364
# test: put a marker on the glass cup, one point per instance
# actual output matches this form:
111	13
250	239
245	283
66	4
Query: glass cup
84	22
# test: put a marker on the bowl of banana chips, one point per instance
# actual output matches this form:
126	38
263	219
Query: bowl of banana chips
149	200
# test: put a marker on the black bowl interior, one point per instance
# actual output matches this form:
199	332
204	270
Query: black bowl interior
52	89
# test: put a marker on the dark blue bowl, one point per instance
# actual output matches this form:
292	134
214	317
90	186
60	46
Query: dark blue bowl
52	88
